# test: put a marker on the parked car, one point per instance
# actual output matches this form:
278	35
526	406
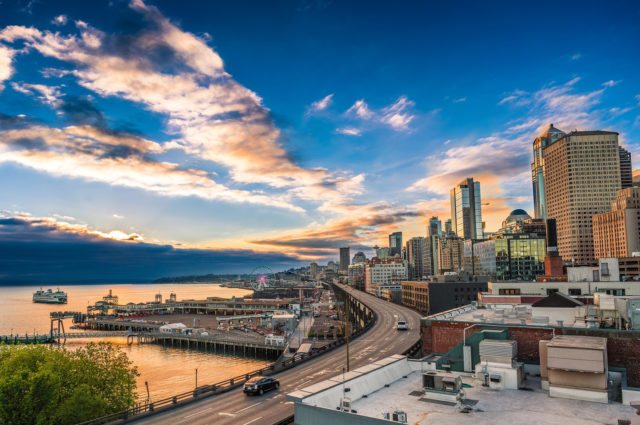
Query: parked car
260	385
402	325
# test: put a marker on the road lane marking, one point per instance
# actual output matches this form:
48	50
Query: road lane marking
253	420
249	407
198	412
231	415
304	382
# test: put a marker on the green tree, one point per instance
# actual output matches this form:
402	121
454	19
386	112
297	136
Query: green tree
50	385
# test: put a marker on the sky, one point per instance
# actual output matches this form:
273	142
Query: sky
140	139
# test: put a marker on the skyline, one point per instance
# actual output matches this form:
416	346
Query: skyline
287	132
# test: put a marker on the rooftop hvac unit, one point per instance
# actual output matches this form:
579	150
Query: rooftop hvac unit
498	348
499	311
397	416
345	404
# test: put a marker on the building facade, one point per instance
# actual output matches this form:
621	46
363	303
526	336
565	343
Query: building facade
616	233
626	169
581	178
359	257
345	258
415	249
466	209
380	274
356	275
434	297
450	254
537	168
435	227
395	244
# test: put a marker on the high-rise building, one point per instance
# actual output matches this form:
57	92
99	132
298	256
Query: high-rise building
581	178
395	244
435	227
450	254
313	270
380	274
548	137
356	275
359	257
416	257
626	172
616	233
466	209
448	227
345	257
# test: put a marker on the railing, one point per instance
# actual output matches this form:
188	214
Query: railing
146	409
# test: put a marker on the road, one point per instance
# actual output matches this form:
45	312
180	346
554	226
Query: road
382	340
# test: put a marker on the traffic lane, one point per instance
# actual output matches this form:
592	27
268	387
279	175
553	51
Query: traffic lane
235	408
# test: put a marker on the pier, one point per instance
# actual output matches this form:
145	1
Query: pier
219	343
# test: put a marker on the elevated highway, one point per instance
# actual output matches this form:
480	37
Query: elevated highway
382	340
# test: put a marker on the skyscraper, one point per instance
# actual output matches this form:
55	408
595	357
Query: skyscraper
626	177
466	210
395	244
548	137
448	228
345	257
581	178
416	257
435	227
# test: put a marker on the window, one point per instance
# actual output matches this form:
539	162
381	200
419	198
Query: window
552	291
575	291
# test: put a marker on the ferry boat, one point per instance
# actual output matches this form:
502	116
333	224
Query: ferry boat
50	297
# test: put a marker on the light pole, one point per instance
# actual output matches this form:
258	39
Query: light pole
196	378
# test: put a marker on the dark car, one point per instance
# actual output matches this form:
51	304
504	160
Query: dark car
260	385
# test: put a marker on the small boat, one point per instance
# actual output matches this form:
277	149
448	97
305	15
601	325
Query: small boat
50	297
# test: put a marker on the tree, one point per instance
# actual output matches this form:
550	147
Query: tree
51	385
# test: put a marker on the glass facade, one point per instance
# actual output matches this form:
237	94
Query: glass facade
466	210
509	257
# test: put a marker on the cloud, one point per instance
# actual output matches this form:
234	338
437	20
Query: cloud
460	100
615	111
6	66
349	131
576	56
120	159
320	105
517	97
49	95
60	20
212	116
360	229
42	249
611	83
396	116
117	216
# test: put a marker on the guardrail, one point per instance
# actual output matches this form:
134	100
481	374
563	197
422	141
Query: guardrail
146	409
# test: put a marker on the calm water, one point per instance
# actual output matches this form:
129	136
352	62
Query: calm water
167	370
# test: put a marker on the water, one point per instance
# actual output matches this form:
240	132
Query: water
168	370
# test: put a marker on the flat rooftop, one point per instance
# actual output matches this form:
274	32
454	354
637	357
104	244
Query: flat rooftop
520	314
490	407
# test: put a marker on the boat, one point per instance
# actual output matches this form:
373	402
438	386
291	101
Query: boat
50	297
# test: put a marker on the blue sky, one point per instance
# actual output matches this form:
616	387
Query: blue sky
292	128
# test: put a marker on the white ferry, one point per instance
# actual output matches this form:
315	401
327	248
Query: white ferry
50	297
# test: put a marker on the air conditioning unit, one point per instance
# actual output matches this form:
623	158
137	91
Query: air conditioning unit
397	416
345	404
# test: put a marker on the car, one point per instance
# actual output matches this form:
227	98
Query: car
260	385
402	325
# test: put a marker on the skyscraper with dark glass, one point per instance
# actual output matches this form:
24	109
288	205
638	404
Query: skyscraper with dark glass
466	209
549	136
395	244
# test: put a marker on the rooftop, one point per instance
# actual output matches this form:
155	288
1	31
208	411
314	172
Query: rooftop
490	407
395	384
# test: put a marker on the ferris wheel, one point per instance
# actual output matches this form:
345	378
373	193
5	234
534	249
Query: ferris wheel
261	277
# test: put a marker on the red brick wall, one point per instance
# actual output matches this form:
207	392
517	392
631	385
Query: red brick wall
623	348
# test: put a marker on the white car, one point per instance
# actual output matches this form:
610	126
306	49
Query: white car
402	325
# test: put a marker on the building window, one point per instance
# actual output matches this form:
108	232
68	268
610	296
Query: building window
575	291
551	291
